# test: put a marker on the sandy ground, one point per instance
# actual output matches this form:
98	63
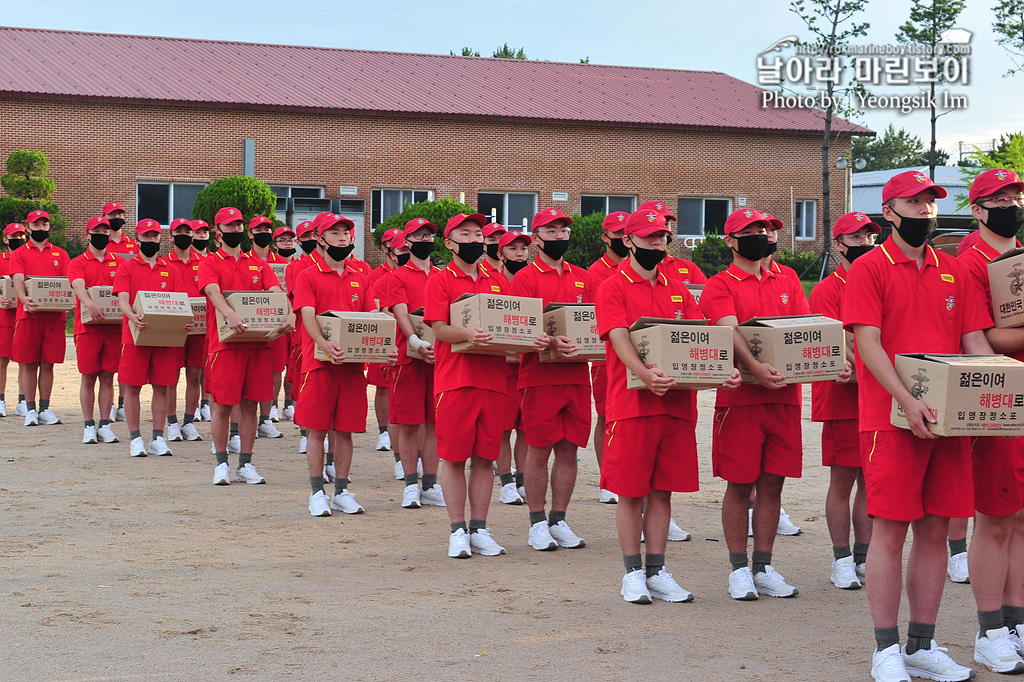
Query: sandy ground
116	568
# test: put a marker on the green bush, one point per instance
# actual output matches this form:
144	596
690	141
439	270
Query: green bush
806	263
28	163
14	210
585	245
28	188
437	212
247	194
712	255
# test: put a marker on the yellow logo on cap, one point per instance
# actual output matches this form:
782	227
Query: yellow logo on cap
946	277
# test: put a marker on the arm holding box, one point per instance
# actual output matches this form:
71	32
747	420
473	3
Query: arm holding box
654	379
233	319
331	349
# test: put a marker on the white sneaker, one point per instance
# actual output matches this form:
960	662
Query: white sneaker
302	445
509	494
204	412
89	436
862	573
997	651
434	496
48	418
750	523
21	409
786	527
221	475
119	414
634	587
664	587
106	434
384	441
675	533
31	418
1015	636
158	446
458	545
607	497
197	415
173	433
113	413
319	504
137	448
844	574
3	409
564	536
771	583
399	471
481	542
274	414
248	474
190	432
346	502
419	468
741	584
934	664
268	430
540	537
522	492
956	568
288	412
235	444
411	496
330	473
887	665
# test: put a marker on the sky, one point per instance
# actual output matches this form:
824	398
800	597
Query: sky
724	36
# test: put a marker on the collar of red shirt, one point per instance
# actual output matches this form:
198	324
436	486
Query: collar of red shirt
458	272
413	266
608	263
89	256
173	255
633	278
840	273
241	254
544	267
125	239
896	256
322	266
46	245
737	273
987	250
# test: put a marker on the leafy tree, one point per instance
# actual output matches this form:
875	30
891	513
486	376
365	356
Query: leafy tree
506	52
1009	29
1008	154
712	255
585	60
247	194
585	245
894	149
28	189
466	52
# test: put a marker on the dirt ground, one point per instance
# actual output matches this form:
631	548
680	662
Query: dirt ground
116	568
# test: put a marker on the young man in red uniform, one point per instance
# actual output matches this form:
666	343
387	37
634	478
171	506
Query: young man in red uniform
141	365
119	241
239	373
261	231
97	345
555	399
996	569
39	341
192	356
284	246
307	237
834	403
411	397
681	269
200	247
333	394
376	373
906	297
756	439
14	238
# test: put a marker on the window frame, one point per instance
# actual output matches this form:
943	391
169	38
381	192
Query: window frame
377	201
170	184
518	227
799	205
703	213
607	198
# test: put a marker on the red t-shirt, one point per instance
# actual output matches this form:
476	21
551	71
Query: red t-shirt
359	266
975	262
135	275
322	288
599	271
683	270
408	285
31	261
95	273
926	310
248	273
377	273
126	245
830	400
738	293
492	270
622	299
6	314
187	271
537	280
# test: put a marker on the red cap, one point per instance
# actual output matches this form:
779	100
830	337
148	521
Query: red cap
147	225
283	231
228	215
548	216
95	222
908	184
645	223
36	215
613	222
397	240
494	228
418	223
198	224
180	222
739	220
773	221
260	220
385	239
657	206
511	236
303	228
112	206
326	221
14	228
993	181
453	222
967	242
853	222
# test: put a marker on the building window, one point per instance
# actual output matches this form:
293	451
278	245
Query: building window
511	209
286	192
165	201
699	216
606	203
385	203
806	219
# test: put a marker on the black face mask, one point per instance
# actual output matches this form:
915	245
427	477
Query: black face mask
915	230
554	250
40	235
116	223
339	253
752	246
470	252
183	241
262	239
13	244
855	252
647	259
402	258
286	253
421	249
200	244
515	266
232	239
617	247
492	251
308	245
149	249
1005	221
99	241
772	248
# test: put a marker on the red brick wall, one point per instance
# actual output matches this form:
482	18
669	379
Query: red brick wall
99	151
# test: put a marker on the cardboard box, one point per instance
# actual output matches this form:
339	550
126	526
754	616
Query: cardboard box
514	321
198	304
695	291
51	293
803	348
279	269
969	395
694	353
422	330
262	311
103	297
166	314
7	288
1006	282
579	323
365	337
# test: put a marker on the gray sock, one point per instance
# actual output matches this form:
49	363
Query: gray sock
189	417
860	552
457	526
104	422
172	419
886	637
841	552
158	433
654	562
398	457
760	560
233	428
1013	616
90	422
537	517
632	562
920	636
957	546
429	480
222	457
520	479
317	484
507	478
328	458
739	560
990	620
412	479
555	516
477	524
132	435
340	485
244	458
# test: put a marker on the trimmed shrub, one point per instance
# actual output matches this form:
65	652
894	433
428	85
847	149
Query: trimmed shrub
249	195
585	245
437	212
28	189
712	255
806	263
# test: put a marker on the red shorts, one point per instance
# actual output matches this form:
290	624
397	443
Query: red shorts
998	475
411	394
658	452
6	341
554	413
511	418
294	375
377	374
280	350
749	440
840	443
907	477
141	365
599	381
468	423
193	353
38	341
237	374
332	400
99	350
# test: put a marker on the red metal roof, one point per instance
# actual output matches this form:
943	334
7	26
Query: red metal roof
156	70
